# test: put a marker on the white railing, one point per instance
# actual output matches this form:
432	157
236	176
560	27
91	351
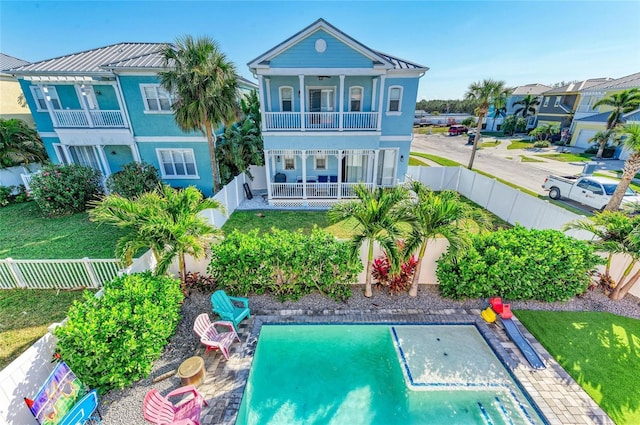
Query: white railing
347	189
286	190
62	274
315	190
322	190
321	120
95	118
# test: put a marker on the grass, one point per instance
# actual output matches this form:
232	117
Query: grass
601	351
520	144
416	161
430	130
568	157
437	159
26	234
529	159
25	316
491	144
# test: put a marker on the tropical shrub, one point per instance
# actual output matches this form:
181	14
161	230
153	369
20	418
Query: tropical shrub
608	151
285	264
396	282
5	194
65	189
541	144
513	124
133	180
113	340
519	264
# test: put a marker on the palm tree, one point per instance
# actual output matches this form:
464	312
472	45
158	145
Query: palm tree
499	109
630	139
622	103
205	84
527	106
166	220
377	214
240	147
19	143
438	215
483	92
601	138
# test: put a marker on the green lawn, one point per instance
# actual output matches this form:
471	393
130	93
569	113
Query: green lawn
601	351
26	234
416	161
430	130
25	315
568	157
491	144
529	159
437	159
520	144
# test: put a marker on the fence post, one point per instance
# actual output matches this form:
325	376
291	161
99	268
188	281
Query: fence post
15	273
90	272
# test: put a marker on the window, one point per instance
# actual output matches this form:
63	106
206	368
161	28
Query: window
289	162
320	161
177	163
286	99
156	99
355	99
395	99
557	102
321	100
42	94
62	155
85	155
546	102
386	167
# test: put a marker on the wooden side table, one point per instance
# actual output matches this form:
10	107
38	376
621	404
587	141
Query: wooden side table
191	371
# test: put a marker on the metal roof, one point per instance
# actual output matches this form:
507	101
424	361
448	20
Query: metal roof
533	89
7	62
626	82
400	63
147	60
89	61
580	85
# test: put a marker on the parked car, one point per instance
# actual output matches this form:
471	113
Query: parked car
591	191
456	130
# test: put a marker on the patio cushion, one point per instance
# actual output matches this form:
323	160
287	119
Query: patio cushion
323	179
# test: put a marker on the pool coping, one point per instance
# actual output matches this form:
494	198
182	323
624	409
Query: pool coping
552	391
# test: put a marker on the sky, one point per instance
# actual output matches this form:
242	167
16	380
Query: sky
461	42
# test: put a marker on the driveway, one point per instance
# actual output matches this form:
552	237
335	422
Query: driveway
503	163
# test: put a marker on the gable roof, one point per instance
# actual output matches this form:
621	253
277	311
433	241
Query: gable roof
378	58
626	82
533	89
89	61
576	87
7	62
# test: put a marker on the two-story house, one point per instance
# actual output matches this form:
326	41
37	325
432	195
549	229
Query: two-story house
10	106
559	104
587	120
105	107
535	90
335	113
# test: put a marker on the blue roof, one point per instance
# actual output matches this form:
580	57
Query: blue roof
601	117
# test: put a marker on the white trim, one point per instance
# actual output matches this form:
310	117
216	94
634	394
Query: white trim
58	148
320	71
361	97
396	138
406	73
181	150
132	73
301	96
163	139
48	93
380	100
392	113
123	107
267	82
158	88
320	133
291	156
373	94
315	161
388	110
546	101
47	134
280	98
262	105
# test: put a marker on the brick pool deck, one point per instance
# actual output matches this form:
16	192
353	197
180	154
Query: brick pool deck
557	395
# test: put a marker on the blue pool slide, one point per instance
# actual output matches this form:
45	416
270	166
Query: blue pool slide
521	342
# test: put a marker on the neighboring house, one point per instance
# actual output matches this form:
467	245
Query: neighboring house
559	104
10	91
335	113
587	121
105	107
519	93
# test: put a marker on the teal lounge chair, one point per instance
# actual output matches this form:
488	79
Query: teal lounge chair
224	306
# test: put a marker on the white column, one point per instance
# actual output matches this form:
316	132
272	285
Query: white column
83	104
103	159
340	156
375	167
123	108
373	94
267	170
301	93
47	101
261	94
267	82
341	102
304	174
135	152
381	97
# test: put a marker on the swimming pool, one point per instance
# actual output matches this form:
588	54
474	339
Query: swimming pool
379	374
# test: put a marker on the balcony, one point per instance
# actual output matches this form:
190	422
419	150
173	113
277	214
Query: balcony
321	121
80	118
313	190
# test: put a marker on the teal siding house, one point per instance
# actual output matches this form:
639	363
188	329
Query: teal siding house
105	107
335	113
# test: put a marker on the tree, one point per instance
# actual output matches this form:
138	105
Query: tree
630	139
377	214
545	131
527	106
240	146
483	92
205	83
469	121
166	220
19	143
601	138
437	215
499	108
513	124
616	233
622	103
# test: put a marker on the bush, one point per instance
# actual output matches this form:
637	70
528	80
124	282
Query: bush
608	152
519	264
133	180
285	264
5	194
401	281
541	144
65	189
112	341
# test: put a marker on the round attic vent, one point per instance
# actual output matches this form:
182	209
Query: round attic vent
321	45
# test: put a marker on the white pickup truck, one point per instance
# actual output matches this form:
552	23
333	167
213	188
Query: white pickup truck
592	191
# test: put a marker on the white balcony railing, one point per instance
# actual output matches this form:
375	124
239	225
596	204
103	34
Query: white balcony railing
321	120
95	118
314	190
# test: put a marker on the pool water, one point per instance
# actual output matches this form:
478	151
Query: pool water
379	374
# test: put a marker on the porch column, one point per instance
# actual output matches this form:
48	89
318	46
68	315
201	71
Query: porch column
341	125
267	169
261	94
103	159
376	156
135	153
373	94
47	101
301	95
84	103
381	97
267	82
340	156
304	174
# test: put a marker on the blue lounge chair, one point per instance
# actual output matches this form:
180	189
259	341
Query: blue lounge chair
224	306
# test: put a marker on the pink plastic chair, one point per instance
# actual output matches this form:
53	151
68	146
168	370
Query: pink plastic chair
160	411
210	336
